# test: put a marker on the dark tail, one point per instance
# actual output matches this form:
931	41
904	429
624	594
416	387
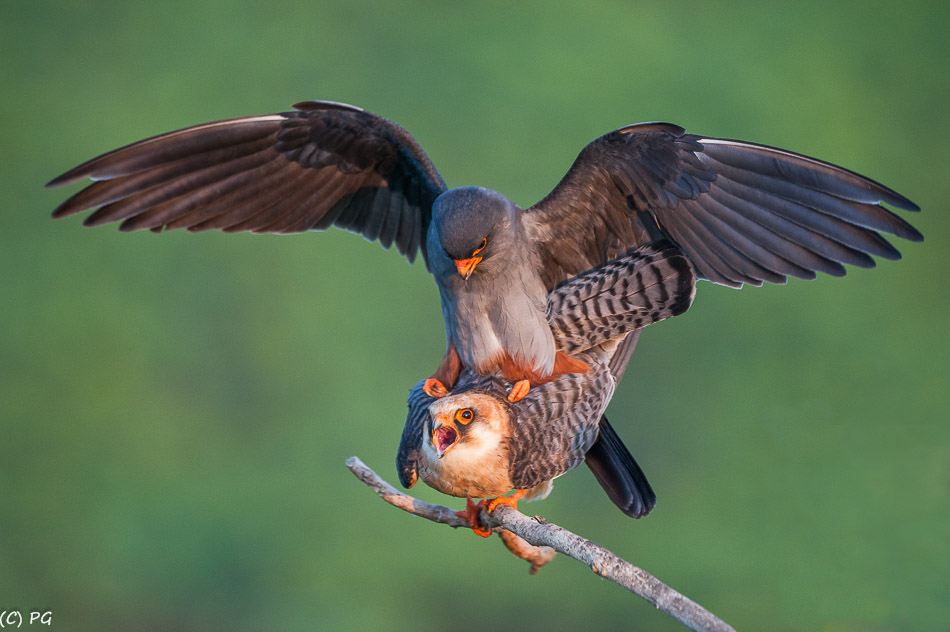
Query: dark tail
619	474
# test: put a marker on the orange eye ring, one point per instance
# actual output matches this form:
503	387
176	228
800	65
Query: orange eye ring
464	416
480	248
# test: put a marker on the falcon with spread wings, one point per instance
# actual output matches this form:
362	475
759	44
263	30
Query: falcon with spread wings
741	212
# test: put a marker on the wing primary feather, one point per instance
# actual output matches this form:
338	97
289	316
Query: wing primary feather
259	217
168	147
106	191
693	237
299	207
738	251
829	237
387	234
253	207
409	236
371	219
185	195
359	218
706	262
189	191
762	245
860	210
331	209
146	198
341	213
803	170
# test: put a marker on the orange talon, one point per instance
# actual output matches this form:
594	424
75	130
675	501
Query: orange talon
434	388
519	390
472	513
511	501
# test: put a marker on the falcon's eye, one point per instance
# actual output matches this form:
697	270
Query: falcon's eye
480	248
464	416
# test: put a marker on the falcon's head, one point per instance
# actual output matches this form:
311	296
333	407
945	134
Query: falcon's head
465	445
472	224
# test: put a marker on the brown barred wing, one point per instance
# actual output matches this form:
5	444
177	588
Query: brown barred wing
556	424
645	286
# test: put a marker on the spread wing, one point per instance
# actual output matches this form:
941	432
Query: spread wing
323	164
741	212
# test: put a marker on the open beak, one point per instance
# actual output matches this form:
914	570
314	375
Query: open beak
466	266
444	434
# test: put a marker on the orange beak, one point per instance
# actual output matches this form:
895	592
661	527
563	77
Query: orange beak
445	435
466	266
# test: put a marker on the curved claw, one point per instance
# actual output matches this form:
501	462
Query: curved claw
434	388
472	513
519	390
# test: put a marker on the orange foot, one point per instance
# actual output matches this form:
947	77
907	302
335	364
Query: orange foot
434	388
519	390
472	513
511	501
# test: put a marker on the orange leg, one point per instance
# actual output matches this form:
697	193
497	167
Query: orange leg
511	501
434	388
472	513
525	378
446	375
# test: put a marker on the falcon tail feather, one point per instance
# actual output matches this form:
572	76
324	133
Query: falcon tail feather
618	473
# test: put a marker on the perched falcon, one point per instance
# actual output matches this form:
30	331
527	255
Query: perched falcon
475	443
741	212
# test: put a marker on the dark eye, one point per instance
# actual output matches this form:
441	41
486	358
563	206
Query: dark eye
480	248
464	416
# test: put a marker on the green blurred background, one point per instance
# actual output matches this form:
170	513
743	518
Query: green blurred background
175	409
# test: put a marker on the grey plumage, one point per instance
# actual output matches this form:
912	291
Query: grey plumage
500	309
553	429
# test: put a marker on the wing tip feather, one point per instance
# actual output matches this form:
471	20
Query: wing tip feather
62	180
326	105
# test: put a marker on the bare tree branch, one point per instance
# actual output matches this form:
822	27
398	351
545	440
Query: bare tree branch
541	534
